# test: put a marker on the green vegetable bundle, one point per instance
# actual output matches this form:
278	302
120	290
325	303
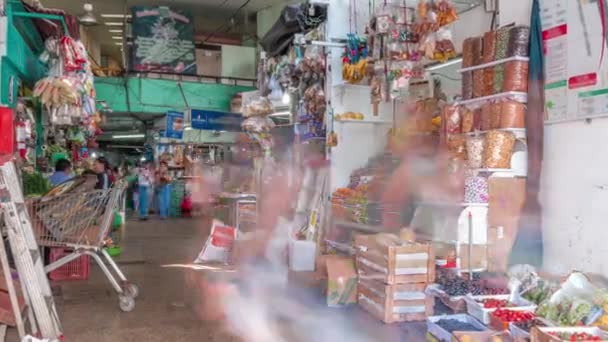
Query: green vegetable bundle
35	184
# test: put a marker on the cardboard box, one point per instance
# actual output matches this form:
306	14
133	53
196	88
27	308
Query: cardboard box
341	285
404	264
394	303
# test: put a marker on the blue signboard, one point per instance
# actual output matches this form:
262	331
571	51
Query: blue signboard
216	121
175	125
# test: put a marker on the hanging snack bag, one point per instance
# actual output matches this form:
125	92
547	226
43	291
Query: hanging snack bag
218	244
498	150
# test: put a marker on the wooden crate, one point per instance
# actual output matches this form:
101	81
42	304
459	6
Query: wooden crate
394	303
408	264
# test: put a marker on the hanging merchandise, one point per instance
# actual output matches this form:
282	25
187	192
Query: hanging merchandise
354	60
258	128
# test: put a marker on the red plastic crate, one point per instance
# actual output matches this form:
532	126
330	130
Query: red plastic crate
77	269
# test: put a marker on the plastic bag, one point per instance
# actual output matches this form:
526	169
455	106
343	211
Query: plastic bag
451	116
498	149
512	115
258	107
474	147
218	244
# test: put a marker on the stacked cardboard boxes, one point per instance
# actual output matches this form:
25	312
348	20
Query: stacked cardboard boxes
393	277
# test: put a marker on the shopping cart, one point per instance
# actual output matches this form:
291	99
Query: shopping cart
81	221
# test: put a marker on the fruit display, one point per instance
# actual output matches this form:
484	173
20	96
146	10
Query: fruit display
493	303
565	336
349	116
452	325
507	315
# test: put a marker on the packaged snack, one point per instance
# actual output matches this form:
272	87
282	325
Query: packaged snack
474	147
512	114
498	149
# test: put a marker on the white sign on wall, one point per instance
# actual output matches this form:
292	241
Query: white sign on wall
576	68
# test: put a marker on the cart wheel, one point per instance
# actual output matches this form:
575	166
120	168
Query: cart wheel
131	290
126	303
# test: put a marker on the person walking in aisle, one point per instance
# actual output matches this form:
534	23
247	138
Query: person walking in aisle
100	167
144	180
164	192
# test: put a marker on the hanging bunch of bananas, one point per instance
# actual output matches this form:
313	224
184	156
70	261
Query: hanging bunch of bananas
354	61
354	73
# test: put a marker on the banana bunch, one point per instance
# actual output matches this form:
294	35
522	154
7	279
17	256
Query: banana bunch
354	73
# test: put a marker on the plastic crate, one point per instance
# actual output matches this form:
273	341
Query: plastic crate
77	269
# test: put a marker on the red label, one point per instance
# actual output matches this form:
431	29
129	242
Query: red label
556	31
582	81
223	236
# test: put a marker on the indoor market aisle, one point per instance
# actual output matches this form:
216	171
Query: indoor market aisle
163	312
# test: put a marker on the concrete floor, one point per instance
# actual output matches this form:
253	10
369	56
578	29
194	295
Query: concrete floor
164	309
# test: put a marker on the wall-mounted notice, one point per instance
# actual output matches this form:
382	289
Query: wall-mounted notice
576	67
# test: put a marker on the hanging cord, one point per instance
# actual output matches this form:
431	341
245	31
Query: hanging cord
355	14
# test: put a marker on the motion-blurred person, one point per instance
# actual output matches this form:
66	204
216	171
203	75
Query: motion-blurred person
164	189
144	182
63	172
100	167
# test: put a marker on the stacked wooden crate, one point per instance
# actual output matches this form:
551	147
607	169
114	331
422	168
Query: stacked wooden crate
393	277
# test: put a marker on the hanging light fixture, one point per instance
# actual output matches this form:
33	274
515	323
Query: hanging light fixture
88	17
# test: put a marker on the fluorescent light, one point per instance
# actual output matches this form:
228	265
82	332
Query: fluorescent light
117	43
115	31
143	159
187	128
128	136
117	37
113	23
93	155
105	15
286	98
443	65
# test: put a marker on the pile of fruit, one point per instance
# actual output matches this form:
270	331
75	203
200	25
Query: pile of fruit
451	325
350	204
575	336
349	116
506	315
492	303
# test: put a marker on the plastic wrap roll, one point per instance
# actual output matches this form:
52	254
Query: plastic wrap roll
467	85
471	51
516	76
512	115
498	149
476	190
519	40
502	44
489	46
474	146
486	117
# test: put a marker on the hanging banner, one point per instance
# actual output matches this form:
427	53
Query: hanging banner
175	125
216	121
576	72
163	40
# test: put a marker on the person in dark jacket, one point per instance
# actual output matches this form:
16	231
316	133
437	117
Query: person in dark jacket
100	168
